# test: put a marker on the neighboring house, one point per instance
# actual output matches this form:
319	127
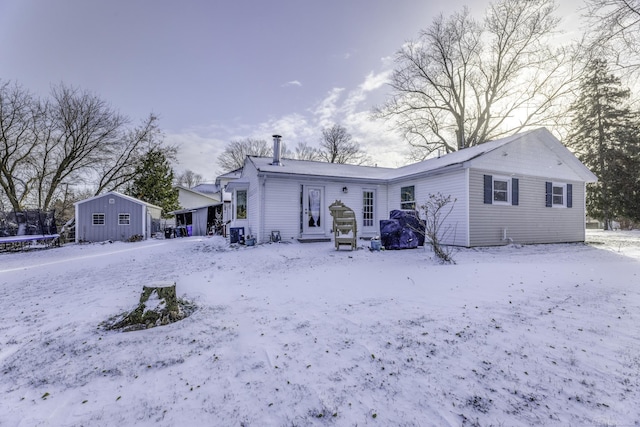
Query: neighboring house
115	216
199	210
206	208
191	197
527	188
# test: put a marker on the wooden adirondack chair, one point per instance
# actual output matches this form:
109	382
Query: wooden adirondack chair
345	226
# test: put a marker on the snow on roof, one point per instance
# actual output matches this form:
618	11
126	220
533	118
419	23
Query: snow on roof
300	167
206	189
459	157
207	194
124	196
308	167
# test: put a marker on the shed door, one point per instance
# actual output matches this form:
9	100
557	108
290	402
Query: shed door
313	213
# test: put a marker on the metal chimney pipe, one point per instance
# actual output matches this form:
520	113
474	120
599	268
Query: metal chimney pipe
276	150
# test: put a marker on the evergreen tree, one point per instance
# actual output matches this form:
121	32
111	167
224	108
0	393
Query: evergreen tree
153	182
605	137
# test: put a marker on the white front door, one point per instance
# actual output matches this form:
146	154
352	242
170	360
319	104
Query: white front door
313	212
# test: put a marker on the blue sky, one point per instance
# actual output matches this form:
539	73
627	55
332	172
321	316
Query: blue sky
216	71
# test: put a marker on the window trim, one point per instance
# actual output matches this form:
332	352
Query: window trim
368	217
122	216
410	202
567	194
563	186
95	216
501	178
237	207
513	190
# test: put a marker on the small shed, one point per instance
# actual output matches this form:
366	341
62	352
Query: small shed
115	216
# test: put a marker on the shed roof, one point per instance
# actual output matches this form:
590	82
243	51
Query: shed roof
123	196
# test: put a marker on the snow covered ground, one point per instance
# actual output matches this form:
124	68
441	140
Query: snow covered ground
296	334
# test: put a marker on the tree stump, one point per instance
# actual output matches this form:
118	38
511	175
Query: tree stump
158	306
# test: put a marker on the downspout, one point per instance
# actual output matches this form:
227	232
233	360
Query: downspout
77	213
144	222
468	210
263	199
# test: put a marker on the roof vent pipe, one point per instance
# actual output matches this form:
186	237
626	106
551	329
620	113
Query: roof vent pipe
276	150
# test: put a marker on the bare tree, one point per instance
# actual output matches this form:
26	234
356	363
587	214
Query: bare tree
305	152
189	178
338	147
18	141
234	154
84	138
614	31
436	210
464	82
117	167
73	137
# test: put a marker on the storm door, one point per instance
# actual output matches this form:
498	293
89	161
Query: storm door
313	210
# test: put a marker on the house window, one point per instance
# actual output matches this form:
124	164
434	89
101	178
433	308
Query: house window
241	204
501	190
124	219
559	195
367	208
408	197
97	219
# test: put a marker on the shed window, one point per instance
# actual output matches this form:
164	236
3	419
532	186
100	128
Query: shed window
97	219
124	219
408	197
241	204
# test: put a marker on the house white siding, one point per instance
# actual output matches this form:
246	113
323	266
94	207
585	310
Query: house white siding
537	157
282	212
524	167
528	222
448	184
283	206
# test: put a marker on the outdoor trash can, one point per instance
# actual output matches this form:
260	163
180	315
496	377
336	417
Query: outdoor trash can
236	235
168	232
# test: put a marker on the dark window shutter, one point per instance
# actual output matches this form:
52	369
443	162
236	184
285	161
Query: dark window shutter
549	189
515	192
488	189
569	195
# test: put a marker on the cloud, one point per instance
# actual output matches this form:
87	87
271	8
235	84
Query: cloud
198	153
375	81
200	147
292	83
325	111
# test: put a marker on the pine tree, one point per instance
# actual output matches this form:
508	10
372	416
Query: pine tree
153	182
604	135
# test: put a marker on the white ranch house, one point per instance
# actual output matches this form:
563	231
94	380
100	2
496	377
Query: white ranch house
526	188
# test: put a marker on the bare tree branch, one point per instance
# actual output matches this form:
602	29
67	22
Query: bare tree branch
337	147
234	154
464	82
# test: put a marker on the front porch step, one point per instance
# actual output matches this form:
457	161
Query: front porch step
314	239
